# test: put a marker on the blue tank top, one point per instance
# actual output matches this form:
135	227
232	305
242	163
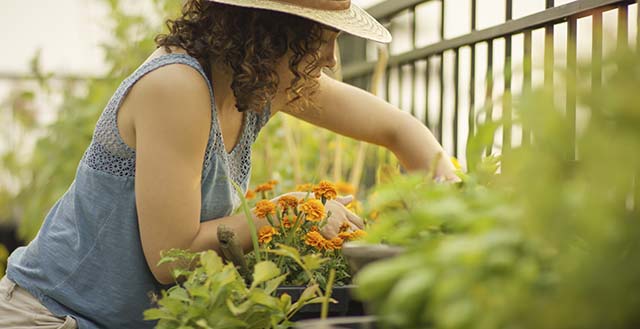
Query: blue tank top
87	259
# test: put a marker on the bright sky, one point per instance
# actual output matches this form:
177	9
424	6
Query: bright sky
68	31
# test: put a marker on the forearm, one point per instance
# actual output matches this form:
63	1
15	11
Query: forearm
418	150
207	236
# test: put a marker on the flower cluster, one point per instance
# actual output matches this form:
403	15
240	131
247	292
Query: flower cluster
296	220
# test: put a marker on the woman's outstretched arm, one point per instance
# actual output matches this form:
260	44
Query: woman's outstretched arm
355	113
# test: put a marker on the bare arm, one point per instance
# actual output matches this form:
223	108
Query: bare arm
355	113
172	120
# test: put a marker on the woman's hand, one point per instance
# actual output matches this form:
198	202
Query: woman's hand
339	214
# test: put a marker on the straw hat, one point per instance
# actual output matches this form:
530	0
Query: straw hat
340	14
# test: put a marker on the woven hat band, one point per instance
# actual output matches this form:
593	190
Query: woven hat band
321	4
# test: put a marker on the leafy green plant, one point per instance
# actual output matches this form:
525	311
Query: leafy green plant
211	294
551	242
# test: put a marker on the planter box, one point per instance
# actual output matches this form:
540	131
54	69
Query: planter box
346	305
354	322
358	255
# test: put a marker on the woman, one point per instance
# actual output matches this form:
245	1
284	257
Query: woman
174	135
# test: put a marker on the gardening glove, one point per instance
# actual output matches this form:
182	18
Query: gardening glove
340	214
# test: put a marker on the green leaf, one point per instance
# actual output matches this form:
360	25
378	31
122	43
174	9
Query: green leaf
273	284
264	271
157	314
287	251
313	261
261	298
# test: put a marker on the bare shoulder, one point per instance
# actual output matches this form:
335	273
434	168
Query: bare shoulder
173	96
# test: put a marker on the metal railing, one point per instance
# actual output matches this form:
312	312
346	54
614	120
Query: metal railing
452	120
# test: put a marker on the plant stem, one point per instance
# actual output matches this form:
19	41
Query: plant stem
327	294
252	225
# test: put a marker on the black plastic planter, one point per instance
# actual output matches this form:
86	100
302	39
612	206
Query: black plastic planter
346	305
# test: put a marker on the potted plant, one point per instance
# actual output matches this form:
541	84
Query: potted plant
294	231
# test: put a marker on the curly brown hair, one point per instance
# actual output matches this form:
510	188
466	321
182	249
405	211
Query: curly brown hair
250	42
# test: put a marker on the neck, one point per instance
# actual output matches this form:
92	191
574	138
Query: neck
223	95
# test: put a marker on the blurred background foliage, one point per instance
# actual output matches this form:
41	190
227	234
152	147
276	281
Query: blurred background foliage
288	150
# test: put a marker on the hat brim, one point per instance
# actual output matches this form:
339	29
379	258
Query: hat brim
355	20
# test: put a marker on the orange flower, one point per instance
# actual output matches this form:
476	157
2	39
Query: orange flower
266	233
344	227
314	229
288	201
357	234
264	188
288	221
265	207
345	235
304	188
345	188
314	239
337	242
250	195
326	190
313	209
273	182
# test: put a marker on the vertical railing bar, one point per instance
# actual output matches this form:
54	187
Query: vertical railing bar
638	30
489	90
441	110
472	87
506	100
623	27
426	95
414	29
548	51
400	69
526	79
456	79
571	83
596	53
388	83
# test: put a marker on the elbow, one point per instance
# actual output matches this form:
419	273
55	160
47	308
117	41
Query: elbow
162	273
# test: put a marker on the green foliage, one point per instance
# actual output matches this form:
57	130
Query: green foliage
45	174
4	254
548	243
211	294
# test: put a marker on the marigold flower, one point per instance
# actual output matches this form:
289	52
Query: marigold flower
288	221
313	209
314	239
304	188
326	190
288	201
345	188
266	233
344	226
264	188
327	245
264	208
345	235
358	234
314	228
273	182
250	195
337	242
